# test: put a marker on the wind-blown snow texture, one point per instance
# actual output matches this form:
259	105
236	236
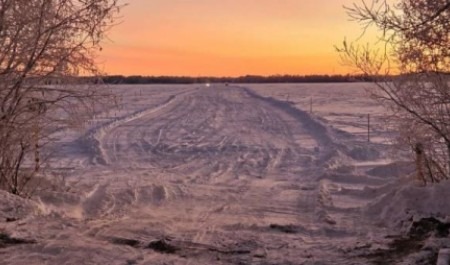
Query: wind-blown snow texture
217	175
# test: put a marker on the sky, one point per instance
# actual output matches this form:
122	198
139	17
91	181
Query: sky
228	37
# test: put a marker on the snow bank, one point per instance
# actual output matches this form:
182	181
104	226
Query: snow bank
14	208
409	201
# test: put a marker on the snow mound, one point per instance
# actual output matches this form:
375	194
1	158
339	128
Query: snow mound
395	169
409	201
14	208
363	153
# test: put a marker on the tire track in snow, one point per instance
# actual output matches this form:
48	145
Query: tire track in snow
221	143
93	138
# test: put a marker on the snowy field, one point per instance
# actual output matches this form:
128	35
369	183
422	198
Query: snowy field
226	174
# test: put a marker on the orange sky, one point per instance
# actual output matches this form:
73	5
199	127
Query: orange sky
228	37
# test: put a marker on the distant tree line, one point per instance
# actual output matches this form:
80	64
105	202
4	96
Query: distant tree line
137	79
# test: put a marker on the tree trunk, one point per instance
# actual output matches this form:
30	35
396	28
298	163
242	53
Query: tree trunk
448	159
418	149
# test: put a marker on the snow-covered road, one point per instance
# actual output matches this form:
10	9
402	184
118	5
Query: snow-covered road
214	175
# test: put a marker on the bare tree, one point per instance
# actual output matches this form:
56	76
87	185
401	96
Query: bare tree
45	45
415	38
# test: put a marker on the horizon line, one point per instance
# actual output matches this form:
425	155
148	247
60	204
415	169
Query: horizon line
240	76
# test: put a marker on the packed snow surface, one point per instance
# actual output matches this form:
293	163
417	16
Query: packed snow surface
224	174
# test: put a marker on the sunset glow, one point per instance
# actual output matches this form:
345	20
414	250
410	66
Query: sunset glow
228	38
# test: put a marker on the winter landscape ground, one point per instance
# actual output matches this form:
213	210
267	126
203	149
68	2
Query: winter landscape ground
228	174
